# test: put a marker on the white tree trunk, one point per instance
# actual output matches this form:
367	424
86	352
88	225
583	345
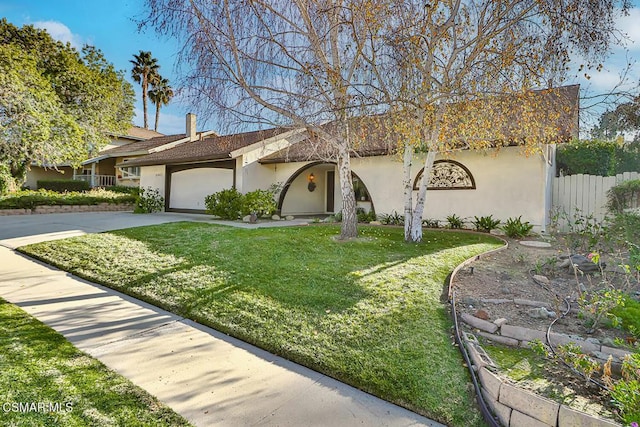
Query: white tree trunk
407	159
416	221
349	226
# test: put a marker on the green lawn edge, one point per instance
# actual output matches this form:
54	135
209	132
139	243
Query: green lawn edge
40	367
366	378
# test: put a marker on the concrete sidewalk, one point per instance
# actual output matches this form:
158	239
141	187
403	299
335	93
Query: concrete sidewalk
208	377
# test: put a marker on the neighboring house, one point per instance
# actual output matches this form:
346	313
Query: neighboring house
134	135
503	183
101	171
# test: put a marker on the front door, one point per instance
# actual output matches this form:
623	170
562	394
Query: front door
331	182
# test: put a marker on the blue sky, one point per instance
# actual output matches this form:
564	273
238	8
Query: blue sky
109	25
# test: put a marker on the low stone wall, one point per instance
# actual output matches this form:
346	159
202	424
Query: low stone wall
501	332
100	207
516	407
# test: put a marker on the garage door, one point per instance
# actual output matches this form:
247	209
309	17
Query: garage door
190	187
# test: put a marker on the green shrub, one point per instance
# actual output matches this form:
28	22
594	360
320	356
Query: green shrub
516	229
629	314
485	223
149	200
63	185
626	392
593	157
124	189
431	223
455	221
364	216
260	202
28	199
627	158
226	204
7	183
623	196
598	157
394	218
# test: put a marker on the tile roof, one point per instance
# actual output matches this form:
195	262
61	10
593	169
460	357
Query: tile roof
210	148
141	146
138	132
564	100
380	139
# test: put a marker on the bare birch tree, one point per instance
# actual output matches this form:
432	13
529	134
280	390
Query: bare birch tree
441	55
281	63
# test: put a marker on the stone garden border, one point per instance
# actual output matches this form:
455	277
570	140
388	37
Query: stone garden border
511	405
47	209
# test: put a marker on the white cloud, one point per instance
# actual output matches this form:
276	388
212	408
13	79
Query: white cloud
604	80
60	32
631	29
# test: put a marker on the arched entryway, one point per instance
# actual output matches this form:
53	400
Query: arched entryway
314	189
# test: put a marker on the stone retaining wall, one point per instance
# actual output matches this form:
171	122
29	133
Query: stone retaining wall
501	332
100	207
516	407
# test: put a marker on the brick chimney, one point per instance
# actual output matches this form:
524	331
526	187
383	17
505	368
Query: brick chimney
191	127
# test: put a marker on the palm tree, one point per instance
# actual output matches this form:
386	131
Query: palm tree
160	94
145	70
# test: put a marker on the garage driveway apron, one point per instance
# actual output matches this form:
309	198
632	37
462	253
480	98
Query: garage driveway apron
209	378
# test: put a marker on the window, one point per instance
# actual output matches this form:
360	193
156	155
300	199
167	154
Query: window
447	175
360	190
130	172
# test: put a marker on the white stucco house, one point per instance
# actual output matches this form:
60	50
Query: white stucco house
503	183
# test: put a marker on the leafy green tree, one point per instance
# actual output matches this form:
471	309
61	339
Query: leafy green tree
160	94
56	105
624	118
144	71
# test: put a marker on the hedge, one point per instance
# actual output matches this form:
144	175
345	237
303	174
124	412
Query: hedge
597	157
28	199
63	185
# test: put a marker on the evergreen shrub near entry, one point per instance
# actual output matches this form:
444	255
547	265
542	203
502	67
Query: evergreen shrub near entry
226	204
259	202
231	204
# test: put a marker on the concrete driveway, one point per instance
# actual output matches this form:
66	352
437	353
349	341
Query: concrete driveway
208	377
20	230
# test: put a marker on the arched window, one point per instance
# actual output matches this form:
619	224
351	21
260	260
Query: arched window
447	175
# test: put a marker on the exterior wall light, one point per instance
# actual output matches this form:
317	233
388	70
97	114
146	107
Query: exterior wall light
312	185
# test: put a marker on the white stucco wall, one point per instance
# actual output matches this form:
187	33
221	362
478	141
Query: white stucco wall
154	177
190	187
300	201
508	184
255	176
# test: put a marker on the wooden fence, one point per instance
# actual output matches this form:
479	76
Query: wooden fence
585	193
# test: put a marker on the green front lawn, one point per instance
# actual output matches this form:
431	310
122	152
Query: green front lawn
367	312
45	381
